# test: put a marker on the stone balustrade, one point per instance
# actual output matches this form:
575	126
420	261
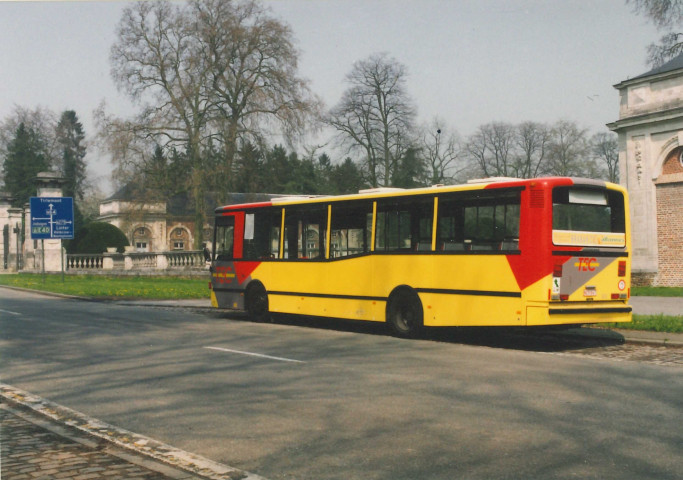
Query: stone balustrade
84	262
176	261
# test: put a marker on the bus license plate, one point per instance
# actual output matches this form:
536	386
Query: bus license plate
590	292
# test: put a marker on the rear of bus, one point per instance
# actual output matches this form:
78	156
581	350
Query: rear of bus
590	255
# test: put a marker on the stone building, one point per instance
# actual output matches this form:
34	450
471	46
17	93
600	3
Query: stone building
650	131
163	226
153	226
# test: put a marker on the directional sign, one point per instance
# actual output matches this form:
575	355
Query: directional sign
52	217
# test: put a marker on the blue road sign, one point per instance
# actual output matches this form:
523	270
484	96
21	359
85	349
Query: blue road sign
52	217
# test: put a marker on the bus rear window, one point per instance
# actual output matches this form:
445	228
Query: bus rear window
590	212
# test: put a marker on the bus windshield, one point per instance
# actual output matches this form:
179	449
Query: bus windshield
590	212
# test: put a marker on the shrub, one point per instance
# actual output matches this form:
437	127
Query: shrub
96	237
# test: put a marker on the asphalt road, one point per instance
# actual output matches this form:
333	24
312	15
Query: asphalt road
294	400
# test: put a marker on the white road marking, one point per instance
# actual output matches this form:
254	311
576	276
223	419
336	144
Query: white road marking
11	313
281	359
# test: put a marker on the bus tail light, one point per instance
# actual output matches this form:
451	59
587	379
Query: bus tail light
564	297
210	286
557	270
622	268
615	296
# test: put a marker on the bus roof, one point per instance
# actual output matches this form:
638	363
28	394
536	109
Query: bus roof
388	192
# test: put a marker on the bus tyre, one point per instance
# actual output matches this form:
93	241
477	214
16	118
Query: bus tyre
404	313
256	302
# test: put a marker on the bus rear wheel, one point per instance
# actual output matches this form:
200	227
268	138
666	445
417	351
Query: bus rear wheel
256	302
404	313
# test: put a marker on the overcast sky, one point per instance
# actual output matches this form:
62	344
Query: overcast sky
470	62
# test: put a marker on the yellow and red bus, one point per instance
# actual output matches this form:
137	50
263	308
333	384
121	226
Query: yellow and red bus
496	252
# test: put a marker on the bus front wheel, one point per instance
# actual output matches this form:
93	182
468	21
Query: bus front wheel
256	301
404	313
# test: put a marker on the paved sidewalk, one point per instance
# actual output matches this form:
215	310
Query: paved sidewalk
32	451
42	440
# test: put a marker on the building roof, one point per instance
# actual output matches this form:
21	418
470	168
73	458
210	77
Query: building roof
675	63
181	204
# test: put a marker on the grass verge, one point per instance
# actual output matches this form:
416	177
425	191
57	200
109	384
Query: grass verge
652	323
657	291
96	286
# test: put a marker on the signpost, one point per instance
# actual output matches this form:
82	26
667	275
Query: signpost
52	218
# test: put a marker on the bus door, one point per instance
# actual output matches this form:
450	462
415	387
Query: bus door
228	234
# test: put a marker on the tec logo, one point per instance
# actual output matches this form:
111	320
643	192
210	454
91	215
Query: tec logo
587	264
223	274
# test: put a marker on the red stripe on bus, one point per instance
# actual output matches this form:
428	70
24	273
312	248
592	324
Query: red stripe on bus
243	269
243	206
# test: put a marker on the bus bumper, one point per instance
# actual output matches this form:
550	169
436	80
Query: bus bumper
566	314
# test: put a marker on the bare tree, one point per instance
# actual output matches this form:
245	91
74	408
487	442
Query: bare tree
569	152
209	69
492	147
157	59
667	15
254	85
442	152
606	153
532	140
375	115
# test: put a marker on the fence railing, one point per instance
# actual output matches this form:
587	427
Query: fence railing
137	261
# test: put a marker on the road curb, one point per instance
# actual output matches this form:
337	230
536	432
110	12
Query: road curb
125	439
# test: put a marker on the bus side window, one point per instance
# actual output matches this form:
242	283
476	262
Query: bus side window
492	224
450	226
477	222
405	225
305	231
350	231
393	230
262	234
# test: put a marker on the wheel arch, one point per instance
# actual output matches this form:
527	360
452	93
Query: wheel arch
402	289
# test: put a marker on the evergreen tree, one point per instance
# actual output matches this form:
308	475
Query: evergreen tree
410	171
70	137
278	170
305	179
347	178
25	158
323	173
249	177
